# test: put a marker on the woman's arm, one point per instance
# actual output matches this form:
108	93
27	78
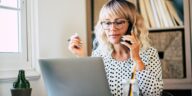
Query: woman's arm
150	79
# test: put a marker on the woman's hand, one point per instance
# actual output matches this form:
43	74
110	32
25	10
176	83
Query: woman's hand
75	45
134	49
134	46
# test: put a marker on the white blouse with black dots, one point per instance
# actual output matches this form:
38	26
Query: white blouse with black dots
149	80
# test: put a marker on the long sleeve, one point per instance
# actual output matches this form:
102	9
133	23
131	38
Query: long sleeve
150	80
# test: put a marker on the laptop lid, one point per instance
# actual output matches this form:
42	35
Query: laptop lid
75	76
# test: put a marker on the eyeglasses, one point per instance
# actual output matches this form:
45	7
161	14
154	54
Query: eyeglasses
118	23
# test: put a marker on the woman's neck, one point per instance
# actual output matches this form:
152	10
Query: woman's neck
120	52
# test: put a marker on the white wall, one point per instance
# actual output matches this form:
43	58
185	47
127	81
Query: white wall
58	20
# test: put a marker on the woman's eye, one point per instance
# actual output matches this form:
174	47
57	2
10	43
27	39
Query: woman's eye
120	22
108	23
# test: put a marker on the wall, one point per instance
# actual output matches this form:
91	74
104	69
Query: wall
58	20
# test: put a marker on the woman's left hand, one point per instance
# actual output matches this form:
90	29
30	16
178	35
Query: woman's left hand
134	49
134	46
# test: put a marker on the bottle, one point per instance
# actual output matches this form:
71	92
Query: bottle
21	81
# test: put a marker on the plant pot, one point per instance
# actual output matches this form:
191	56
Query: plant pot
21	92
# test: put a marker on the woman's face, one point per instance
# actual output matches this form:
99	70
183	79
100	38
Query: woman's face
115	28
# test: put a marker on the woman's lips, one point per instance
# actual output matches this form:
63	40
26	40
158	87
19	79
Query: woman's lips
114	35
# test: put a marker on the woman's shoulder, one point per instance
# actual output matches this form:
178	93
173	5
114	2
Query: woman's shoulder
98	52
149	50
95	52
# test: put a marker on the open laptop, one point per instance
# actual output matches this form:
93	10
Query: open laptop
75	77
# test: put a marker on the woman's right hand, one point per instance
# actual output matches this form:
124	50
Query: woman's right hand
75	45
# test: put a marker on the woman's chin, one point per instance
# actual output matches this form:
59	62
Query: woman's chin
114	42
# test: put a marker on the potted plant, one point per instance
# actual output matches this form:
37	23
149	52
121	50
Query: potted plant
21	87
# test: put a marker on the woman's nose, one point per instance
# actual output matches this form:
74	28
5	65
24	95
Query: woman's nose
112	26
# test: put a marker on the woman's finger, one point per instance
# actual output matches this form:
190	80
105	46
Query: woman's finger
129	38
75	41
126	44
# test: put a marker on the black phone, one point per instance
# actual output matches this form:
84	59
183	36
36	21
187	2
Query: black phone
128	33
129	29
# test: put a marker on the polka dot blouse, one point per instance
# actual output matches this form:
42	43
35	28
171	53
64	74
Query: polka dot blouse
149	80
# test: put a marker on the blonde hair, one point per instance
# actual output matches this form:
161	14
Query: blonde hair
123	9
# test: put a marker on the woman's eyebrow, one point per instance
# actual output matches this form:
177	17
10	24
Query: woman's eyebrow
106	20
120	19
114	19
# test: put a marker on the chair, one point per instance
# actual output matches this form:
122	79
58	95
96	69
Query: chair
165	93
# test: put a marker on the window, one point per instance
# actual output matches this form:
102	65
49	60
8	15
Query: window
9	17
17	18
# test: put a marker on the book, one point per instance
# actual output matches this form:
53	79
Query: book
134	2
165	10
155	14
173	13
159	14
144	12
162	14
150	14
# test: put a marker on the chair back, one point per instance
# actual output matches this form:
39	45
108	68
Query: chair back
165	93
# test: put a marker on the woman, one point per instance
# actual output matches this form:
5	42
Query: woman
125	56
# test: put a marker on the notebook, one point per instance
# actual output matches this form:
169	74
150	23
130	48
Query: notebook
75	76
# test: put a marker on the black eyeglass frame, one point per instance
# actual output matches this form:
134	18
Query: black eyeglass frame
116	22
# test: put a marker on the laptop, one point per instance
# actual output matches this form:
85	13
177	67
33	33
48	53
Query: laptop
75	77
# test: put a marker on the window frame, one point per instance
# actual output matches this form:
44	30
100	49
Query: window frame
9	72
11	60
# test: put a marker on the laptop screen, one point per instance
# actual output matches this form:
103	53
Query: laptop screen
75	76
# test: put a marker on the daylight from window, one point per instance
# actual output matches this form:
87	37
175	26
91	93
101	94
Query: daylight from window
9	26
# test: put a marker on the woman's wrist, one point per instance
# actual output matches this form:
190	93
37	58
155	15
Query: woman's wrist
82	54
140	65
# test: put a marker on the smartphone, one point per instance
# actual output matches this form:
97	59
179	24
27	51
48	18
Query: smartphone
128	33
129	29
